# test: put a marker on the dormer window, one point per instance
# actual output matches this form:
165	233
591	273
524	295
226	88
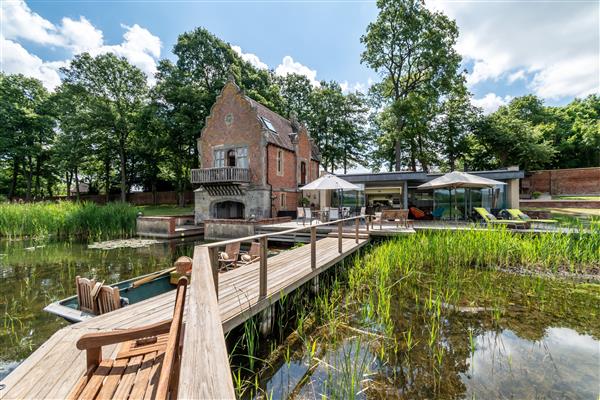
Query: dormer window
268	124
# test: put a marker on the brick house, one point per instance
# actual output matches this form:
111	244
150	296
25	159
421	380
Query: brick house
252	160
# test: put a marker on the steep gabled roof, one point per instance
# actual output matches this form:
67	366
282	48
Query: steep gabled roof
283	127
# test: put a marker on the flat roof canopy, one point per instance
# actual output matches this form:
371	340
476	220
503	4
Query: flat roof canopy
389	179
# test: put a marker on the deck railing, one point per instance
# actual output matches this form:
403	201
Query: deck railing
205	364
220	174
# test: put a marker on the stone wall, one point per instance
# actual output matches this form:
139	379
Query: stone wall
575	181
256	202
594	204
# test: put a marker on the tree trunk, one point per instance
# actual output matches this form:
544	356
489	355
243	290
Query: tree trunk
68	177
15	175
107	179
154	194
398	153
29	178
38	168
123	174
77	183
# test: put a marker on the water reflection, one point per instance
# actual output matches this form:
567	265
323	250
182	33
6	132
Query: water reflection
563	364
33	275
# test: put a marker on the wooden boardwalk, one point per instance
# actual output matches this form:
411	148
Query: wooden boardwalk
52	370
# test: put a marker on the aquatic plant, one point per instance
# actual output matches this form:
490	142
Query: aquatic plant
67	220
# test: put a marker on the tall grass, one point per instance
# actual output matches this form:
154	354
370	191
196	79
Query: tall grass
67	220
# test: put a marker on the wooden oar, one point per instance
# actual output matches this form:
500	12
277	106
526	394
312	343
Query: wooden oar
152	277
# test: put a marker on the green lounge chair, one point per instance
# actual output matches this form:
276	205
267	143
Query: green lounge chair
521	216
489	219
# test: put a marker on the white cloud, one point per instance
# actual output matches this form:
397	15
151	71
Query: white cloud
253	59
289	66
15	59
19	22
570	77
80	36
490	102
553	46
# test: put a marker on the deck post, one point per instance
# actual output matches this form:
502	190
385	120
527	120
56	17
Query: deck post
367	221
339	226
263	267
356	222
313	247
214	265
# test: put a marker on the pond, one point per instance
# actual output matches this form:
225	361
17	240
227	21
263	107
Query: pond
433	330
34	274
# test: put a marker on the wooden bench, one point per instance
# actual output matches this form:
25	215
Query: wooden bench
146	366
398	216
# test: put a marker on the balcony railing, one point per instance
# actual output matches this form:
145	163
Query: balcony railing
220	174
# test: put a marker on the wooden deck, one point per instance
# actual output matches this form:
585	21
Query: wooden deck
52	370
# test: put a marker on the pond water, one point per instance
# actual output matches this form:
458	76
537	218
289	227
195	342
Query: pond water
34	274
519	338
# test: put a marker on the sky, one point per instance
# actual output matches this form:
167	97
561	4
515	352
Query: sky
510	48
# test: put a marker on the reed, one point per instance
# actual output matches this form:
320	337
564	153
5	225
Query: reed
67	220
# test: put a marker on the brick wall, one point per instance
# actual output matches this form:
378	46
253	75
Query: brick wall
233	123
288	179
138	199
573	181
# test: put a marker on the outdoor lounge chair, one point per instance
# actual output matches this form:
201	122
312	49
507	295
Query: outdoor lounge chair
146	366
229	257
521	216
419	214
250	256
490	219
438	213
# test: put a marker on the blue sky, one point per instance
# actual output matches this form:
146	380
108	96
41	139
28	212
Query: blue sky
550	48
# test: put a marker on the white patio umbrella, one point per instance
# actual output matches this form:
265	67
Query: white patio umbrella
457	179
330	182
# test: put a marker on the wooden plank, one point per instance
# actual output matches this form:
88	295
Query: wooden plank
95	382
313	248
128	378
154	377
143	376
112	380
205	352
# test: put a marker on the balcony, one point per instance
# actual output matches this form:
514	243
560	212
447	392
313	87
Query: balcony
221	175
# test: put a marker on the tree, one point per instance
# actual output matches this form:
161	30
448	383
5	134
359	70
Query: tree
413	49
25	130
72	146
296	91
116	91
455	124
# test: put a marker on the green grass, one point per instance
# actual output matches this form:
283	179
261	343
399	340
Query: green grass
596	198
165	209
67	220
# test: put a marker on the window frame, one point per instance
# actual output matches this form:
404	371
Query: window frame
279	162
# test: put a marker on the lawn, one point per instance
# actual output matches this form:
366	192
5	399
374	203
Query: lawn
572	215
165	209
596	198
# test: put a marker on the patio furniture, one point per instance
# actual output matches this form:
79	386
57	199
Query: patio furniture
521	216
108	299
419	214
304	213
250	256
490	219
400	217
229	257
334	214
146	366
438	213
321	215
86	291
